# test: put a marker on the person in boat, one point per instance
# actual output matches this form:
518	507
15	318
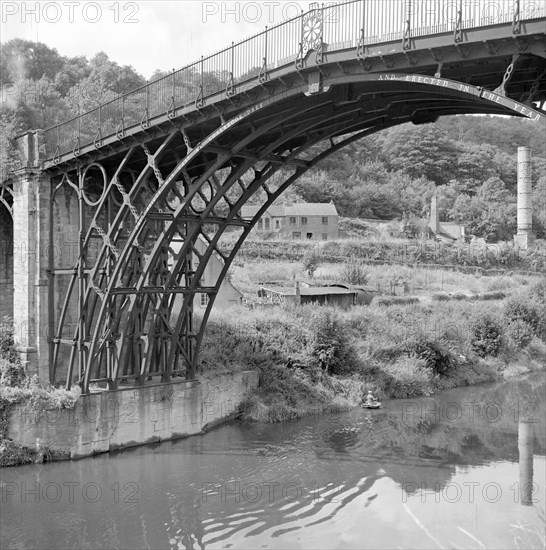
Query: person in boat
370	399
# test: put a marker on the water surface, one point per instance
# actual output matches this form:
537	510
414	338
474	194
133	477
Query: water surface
462	469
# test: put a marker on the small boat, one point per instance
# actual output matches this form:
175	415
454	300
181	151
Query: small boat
376	405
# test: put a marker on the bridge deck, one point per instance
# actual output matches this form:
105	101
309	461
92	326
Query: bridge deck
373	32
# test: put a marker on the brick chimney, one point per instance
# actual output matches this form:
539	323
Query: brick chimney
434	215
525	235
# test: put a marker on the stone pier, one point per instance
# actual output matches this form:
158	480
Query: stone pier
113	420
31	250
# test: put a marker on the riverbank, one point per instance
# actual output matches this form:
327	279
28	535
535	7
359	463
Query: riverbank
315	360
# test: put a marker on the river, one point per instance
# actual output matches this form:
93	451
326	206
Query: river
462	469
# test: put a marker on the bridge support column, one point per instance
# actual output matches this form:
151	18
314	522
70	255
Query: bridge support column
31	250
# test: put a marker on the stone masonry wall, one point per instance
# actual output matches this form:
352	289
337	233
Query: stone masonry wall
108	421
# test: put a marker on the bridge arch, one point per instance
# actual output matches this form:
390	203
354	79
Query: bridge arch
135	318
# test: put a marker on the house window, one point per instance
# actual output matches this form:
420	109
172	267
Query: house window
293	221
260	224
296	235
325	236
303	220
309	236
267	223
324	220
277	224
204	300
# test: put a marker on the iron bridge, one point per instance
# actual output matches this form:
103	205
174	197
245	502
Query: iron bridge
159	171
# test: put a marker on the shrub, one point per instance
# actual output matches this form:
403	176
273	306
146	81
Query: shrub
310	262
538	290
497	295
408	376
331	349
437	359
439	297
519	308
354	272
520	333
12	373
486	336
395	300
7	350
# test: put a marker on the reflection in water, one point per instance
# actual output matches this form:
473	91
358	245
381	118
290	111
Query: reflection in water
396	477
525	447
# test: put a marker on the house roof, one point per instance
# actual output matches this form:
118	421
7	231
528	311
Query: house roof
311	209
359	288
311	291
299	209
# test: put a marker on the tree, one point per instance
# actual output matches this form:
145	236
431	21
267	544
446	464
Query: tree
421	151
106	81
539	207
10	126
490	214
475	163
22	59
75	70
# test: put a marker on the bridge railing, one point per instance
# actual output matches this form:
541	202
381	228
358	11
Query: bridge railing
352	24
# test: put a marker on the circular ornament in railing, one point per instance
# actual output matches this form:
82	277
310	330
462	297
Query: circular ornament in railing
312	30
93	189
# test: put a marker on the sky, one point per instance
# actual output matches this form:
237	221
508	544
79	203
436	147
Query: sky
148	35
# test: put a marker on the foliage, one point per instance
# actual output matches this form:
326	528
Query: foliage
395	300
521	308
45	88
497	295
288	394
355	227
11	373
490	213
314	361
310	262
10	126
539	207
520	333
354	272
331	349
440	297
434	355
408	376
7	351
396	251
422	151
486	336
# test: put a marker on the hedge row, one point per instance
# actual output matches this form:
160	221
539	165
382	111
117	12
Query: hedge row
464	258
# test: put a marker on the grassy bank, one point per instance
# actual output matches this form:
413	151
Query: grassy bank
314	360
17	387
388	279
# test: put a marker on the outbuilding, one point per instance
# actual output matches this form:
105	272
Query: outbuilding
365	294
319	295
